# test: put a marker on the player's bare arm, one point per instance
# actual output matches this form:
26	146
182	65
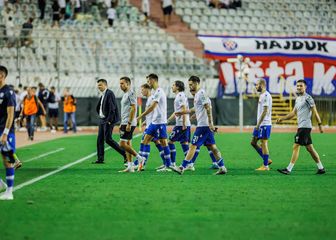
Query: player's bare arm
184	118
262	117
318	119
148	110
171	117
209	114
131	117
9	121
190	111
287	117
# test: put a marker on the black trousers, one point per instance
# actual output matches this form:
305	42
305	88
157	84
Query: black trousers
105	135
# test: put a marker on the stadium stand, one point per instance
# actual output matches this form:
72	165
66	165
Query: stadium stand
82	50
262	18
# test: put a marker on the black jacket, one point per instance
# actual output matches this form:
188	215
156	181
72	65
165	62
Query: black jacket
110	108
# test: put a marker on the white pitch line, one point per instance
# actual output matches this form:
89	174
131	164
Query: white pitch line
34	180
44	155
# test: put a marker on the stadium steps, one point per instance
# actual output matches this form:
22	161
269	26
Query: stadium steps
280	108
178	29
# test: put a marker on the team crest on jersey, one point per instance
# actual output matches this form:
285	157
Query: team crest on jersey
230	45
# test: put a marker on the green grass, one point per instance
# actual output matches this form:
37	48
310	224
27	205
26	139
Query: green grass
96	202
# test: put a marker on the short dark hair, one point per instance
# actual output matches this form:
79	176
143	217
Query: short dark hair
194	79
52	88
4	70
126	79
146	85
302	81
153	76
179	85
102	80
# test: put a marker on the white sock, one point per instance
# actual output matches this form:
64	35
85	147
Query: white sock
319	165
9	190
129	164
290	166
138	156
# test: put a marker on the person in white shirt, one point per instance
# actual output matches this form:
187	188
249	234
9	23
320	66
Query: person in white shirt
111	14
262	131
53	106
146	92
145	7
10	32
181	130
167	8
204	133
158	127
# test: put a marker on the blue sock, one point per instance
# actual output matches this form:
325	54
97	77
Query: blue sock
259	151
167	156
10	177
185	148
146	151
185	163
172	152
212	157
220	162
195	155
136	162
265	158
160	148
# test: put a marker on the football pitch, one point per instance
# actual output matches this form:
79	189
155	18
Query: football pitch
89	201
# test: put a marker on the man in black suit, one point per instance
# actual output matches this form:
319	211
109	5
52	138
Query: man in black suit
108	116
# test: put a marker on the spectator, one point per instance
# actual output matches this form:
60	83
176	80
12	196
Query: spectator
42	6
77	8
85	7
145	6
68	10
29	110
111	14
62	5
10	32
69	109
167	8
56	14
43	95
53	106
26	32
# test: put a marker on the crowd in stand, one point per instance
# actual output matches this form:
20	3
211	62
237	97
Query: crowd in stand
227	4
39	107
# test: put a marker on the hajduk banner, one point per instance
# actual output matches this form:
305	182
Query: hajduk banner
281	61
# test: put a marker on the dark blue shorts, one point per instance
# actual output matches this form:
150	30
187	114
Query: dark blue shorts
158	131
11	140
203	136
179	135
143	136
264	132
